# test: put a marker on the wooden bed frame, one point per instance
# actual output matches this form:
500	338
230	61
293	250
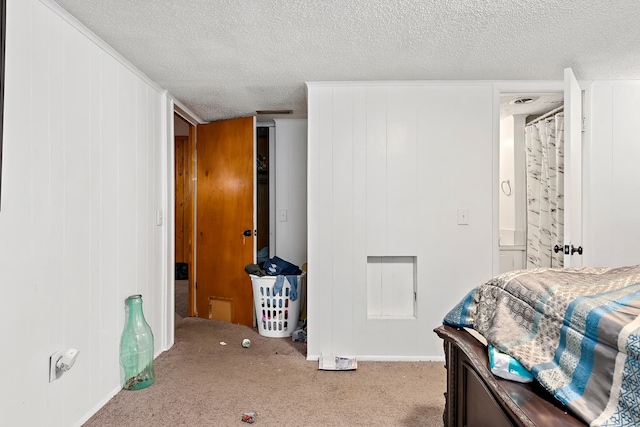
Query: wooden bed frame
476	398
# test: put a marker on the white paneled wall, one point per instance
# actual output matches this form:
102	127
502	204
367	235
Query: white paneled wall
291	189
84	170
611	175
389	166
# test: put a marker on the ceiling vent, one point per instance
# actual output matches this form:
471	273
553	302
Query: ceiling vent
271	112
523	101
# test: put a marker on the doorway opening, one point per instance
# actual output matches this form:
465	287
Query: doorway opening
184	173
517	110
262	194
207	183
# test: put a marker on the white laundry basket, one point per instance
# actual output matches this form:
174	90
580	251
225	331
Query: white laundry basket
276	315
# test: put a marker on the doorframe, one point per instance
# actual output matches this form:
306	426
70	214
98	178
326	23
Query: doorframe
587	141
272	186
187	189
532	87
574	168
177	108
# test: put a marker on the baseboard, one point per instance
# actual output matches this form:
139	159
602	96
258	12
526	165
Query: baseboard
97	407
370	358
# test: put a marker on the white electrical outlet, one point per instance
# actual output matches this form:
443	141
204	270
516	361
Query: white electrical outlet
60	362
54	371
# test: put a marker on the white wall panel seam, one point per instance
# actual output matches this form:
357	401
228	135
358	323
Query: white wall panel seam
32	288
416	248
353	255
331	219
64	189
386	172
94	216
101	220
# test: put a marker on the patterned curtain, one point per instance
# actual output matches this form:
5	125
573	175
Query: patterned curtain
545	191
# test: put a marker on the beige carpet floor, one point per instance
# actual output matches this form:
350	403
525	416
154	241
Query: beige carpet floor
182	298
200	382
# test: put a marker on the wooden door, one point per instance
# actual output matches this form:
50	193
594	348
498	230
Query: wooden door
225	209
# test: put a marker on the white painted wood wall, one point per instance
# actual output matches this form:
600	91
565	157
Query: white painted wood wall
390	164
84	171
611	175
291	189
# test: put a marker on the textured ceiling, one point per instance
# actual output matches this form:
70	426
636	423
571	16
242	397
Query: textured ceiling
229	58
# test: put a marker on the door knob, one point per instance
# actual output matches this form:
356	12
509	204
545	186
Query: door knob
558	248
246	233
574	250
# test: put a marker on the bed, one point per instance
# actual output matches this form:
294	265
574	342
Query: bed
577	331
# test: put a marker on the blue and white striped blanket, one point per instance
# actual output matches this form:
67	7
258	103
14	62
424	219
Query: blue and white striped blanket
576	330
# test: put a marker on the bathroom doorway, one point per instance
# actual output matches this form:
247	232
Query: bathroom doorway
517	111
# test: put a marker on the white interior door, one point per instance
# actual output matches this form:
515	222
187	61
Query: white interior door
572	170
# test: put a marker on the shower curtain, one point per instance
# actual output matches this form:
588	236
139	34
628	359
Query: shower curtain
545	191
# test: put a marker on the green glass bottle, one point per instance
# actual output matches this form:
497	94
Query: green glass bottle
136	347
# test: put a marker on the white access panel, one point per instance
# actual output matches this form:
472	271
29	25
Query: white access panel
391	287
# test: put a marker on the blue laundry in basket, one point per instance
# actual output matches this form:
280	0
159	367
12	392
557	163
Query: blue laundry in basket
293	281
277	266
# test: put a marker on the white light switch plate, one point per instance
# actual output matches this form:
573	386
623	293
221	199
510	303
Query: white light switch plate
463	216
